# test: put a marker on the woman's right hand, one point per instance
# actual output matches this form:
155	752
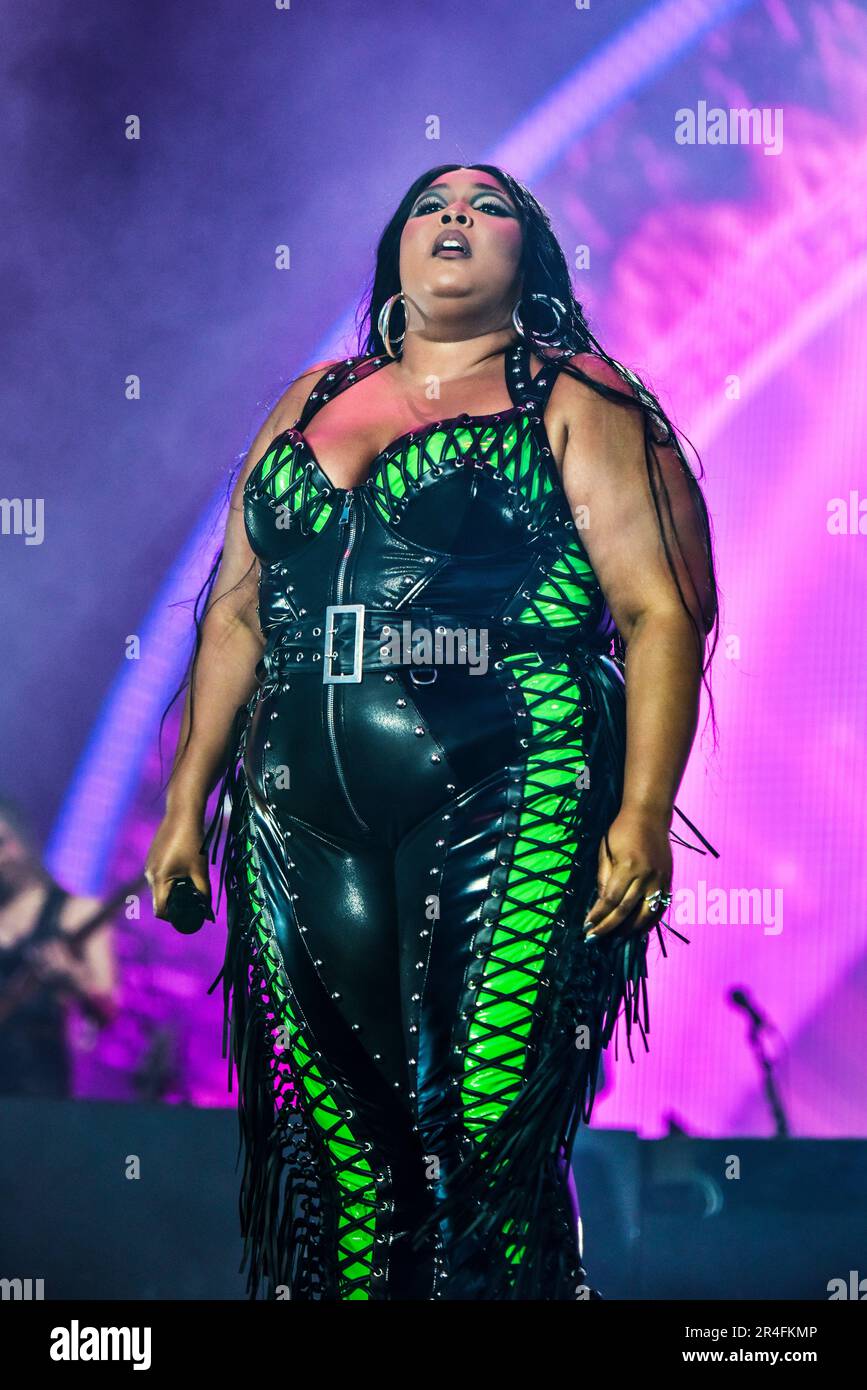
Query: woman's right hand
176	853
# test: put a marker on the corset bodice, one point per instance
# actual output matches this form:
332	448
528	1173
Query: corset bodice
461	514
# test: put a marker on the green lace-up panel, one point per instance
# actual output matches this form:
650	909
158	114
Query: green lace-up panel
503	444
496	1053
293	486
352	1172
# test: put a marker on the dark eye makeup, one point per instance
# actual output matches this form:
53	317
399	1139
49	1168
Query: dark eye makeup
430	202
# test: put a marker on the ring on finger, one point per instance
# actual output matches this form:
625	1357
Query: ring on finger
658	901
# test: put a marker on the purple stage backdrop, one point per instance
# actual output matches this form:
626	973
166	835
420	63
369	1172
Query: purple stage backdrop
194	194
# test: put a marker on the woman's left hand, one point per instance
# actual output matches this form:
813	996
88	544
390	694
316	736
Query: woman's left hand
635	862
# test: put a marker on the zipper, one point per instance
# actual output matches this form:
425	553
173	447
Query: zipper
348	519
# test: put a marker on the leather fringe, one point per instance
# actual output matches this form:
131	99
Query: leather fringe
513	1190
511	1194
508	1197
282	1203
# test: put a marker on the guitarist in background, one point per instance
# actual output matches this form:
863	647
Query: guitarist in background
37	918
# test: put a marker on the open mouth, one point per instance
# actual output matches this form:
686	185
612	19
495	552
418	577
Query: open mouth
451	244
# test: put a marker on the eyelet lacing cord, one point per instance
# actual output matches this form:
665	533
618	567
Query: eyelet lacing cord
312	1187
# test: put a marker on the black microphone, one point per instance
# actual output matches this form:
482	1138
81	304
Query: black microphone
187	907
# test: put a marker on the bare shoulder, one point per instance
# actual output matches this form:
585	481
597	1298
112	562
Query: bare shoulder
291	403
281	417
579	417
571	389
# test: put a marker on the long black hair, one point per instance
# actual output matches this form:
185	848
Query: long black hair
544	270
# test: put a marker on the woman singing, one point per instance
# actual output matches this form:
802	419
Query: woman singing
449	667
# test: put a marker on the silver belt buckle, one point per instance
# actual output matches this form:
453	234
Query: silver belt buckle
352	677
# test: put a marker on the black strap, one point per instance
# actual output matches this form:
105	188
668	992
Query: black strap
301	644
419	615
339	377
524	388
536	388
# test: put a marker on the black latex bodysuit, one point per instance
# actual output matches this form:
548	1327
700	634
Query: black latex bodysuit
416	1017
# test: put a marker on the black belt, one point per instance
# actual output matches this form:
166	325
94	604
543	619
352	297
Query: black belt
350	638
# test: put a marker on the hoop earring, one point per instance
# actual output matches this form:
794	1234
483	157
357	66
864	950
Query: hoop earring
382	323
551	335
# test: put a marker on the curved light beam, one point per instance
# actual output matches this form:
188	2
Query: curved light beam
108	770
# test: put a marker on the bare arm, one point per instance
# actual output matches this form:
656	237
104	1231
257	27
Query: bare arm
604	469
224	677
